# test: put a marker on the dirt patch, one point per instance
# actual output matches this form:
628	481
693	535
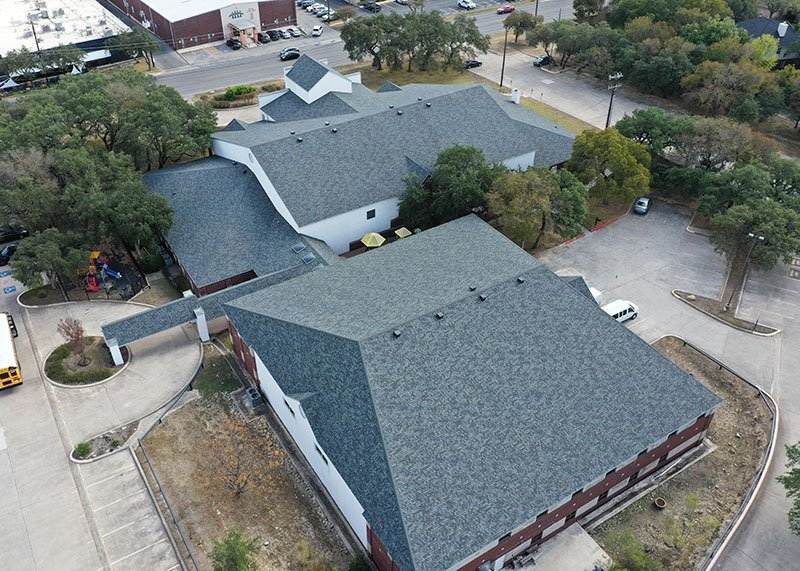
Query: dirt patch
105	443
701	500
216	375
65	365
160	292
717	309
44	295
282	513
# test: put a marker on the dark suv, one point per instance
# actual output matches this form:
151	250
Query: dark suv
371	7
11	233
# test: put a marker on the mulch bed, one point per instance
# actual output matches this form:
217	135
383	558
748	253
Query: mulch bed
62	365
108	442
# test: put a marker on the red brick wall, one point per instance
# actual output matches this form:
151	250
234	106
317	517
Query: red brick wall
381	558
222	284
243	352
160	25
284	11
200	29
533	530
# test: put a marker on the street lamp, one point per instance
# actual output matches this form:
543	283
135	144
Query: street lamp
503	67
754	239
536	9
614	83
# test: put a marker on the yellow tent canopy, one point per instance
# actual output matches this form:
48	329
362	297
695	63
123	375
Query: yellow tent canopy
372	240
402	232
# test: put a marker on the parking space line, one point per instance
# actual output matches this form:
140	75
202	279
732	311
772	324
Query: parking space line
120	528
126	470
108	505
129	555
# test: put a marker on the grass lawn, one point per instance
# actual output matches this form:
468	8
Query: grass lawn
44	295
216	375
159	293
373	79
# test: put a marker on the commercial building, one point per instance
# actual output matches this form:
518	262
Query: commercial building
187	23
48	24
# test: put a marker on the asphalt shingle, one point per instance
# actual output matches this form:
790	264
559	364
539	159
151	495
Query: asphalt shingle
306	72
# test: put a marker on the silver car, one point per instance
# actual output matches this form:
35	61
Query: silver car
642	205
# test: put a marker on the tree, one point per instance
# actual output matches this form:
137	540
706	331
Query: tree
459	182
136	43
62	58
743	9
775	6
71	330
522	201
19	63
568	207
779	224
50	254
711	30
764	52
662	70
463	40
654	128
791	483
520	23
716	88
587	10
235	552
345	13
717	143
623	11
366	37
614	168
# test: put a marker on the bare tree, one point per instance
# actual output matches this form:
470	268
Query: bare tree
244	452
71	330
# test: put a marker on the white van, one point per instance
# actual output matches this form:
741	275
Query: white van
621	310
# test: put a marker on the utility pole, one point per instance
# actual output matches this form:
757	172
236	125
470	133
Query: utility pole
614	83
39	53
503	68
536	9
754	239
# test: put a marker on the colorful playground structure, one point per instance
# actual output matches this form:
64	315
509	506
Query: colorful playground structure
98	267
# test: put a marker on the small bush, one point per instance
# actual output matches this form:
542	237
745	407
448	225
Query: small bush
271	87
115	443
359	564
237	92
152	263
54	369
83	450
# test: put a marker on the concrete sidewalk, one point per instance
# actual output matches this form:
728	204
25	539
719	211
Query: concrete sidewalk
569	93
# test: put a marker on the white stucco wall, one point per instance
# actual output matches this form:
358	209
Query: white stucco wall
243	155
329	82
303	435
342	229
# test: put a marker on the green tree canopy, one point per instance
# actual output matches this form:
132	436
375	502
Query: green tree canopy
234	552
791	483
459	182
521	22
46	256
615	168
522	203
654	128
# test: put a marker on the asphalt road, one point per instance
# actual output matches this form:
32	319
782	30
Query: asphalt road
262	63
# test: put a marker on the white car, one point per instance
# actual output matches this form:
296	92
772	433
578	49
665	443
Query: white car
467	4
315	7
316	31
622	310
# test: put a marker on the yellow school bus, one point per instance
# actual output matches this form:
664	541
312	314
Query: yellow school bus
10	372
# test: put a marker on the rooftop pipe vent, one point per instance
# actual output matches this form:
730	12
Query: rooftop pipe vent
391	106
427	105
327	123
521	280
396	333
472	288
292	132
334	130
482	297
439	315
419	98
399	111
299	139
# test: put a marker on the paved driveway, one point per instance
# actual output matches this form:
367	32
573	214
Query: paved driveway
642	259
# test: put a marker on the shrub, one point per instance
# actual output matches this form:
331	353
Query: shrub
271	87
359	564
238	92
115	443
234	552
54	369
83	450
152	263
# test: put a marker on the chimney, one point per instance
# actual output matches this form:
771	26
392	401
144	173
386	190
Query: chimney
782	27
515	96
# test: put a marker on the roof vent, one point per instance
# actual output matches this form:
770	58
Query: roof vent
334	130
521	280
299	247
299	139
783	27
472	288
427	105
439	315
482	297
396	333
391	106
327	123
399	111
308	258
292	132
419	98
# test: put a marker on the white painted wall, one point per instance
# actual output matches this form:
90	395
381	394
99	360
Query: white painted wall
550	530
236	13
522	162
338	231
245	157
303	435
684	445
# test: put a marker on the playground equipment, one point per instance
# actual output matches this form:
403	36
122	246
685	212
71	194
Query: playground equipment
98	266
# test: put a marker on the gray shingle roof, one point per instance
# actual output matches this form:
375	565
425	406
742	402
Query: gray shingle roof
307	71
332	181
224	223
762	26
461	429
289	107
388	86
580	285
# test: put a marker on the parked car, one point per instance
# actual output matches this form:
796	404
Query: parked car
285	34
542	60
289	53
322	13
622	310
467	4
306	3
9	233
401	2
471	63
330	16
371	7
295	32
263	37
505	9
314	7
7	253
274	35
642	205
233	43
316	31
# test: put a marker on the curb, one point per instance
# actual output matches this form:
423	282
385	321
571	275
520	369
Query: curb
767	461
123	446
732	326
130	301
698	231
88	385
